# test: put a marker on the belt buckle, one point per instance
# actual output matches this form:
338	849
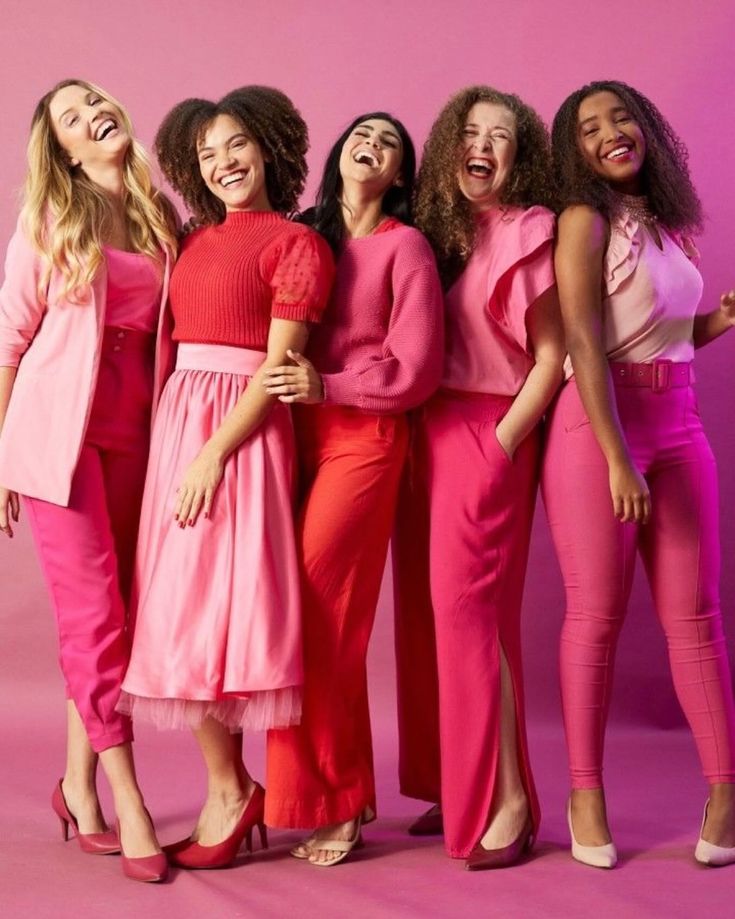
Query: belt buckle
661	379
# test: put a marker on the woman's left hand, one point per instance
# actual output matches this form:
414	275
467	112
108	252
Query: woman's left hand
197	490
505	444
727	306
299	382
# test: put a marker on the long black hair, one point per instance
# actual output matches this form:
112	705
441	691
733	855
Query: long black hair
326	215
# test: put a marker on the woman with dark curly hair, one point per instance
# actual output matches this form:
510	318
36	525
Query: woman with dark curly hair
628	466
483	201
377	354
217	642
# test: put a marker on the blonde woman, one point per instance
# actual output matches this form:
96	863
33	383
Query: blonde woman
85	284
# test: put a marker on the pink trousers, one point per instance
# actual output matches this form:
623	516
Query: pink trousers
480	508
681	554
86	549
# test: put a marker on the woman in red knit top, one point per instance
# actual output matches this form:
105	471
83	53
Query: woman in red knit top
376	355
217	643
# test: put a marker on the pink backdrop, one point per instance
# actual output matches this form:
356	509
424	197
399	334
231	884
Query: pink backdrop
336	59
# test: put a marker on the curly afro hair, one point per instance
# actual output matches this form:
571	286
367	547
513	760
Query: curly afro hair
442	212
665	174
267	116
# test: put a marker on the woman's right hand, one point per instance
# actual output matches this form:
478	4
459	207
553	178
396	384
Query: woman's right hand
9	510
630	495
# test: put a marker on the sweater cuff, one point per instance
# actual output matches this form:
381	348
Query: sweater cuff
342	389
298	312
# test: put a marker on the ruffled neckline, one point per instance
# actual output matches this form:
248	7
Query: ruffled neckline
623	250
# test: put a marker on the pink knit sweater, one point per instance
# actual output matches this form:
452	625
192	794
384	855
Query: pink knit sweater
380	345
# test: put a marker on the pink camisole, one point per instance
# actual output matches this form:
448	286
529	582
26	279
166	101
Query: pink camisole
133	290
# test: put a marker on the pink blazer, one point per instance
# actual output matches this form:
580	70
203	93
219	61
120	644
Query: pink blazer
56	349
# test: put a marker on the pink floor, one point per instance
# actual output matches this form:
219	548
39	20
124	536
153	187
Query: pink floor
655	819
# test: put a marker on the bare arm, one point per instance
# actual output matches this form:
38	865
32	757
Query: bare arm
579	257
709	326
204	475
546	337
9	508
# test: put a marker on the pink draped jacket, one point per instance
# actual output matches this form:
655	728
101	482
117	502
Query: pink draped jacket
56	348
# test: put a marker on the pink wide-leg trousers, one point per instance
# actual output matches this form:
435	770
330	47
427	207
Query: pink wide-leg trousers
480	510
86	549
681	555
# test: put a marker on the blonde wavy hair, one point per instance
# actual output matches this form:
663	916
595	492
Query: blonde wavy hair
67	215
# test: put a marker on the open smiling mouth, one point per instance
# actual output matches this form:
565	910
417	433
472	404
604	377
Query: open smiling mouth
480	169
105	129
619	152
366	158
231	179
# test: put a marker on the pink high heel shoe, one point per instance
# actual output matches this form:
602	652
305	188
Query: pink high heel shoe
106	843
190	854
151	869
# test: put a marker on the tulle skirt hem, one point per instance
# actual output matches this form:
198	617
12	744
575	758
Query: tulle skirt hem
258	711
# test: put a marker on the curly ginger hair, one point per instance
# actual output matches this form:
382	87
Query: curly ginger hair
442	212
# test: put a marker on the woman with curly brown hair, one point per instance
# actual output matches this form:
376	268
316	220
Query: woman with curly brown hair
483	202
217	642
628	466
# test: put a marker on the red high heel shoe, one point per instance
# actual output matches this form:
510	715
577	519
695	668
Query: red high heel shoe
106	843
151	869
189	854
480	859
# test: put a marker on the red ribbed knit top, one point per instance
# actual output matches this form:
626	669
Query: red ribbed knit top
232	278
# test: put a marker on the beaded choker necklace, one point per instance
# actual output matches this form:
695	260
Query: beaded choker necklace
638	208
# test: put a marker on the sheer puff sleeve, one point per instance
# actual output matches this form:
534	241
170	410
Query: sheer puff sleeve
301	271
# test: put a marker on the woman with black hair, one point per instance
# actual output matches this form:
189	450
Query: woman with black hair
628	466
377	354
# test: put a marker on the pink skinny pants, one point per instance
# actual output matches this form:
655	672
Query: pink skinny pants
680	552
86	549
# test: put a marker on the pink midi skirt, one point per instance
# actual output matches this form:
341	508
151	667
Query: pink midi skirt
216	607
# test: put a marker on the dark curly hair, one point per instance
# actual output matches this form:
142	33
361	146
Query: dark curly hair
665	173
267	116
327	217
442	212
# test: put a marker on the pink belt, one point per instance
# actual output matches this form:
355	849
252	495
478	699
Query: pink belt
658	375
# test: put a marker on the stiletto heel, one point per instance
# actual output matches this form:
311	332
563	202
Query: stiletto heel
595	856
105	843
262	830
64	828
189	854
707	853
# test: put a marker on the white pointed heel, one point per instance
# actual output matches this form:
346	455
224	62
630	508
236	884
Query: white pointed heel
596	856
707	853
